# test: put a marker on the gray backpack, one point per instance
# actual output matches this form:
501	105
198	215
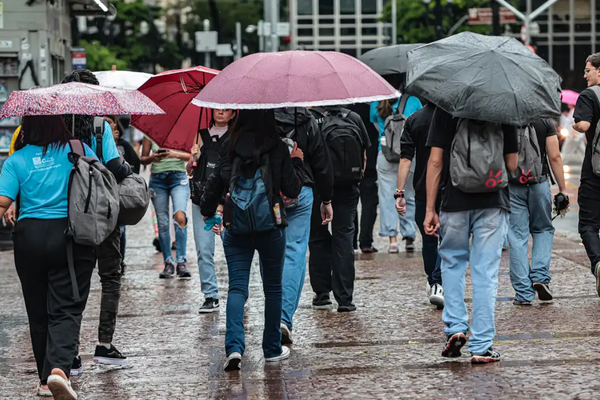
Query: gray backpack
477	157
393	128
529	169
134	199
595	150
93	204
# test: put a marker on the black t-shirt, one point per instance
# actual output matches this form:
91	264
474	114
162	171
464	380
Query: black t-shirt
414	142
588	109
544	129
441	134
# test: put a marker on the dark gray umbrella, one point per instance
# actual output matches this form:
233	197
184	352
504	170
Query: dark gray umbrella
388	60
488	78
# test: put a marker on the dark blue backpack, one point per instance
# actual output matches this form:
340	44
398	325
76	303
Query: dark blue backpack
251	204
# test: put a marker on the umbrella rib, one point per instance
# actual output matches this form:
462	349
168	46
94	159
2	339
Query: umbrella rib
513	90
338	76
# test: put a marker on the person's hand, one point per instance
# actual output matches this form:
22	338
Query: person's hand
195	150
297	152
401	205
218	229
157	157
10	216
431	223
326	213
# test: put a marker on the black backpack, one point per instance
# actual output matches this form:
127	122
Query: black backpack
346	147
209	157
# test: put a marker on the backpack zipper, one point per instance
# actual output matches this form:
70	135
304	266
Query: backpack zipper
89	195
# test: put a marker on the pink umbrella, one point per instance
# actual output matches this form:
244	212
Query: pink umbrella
77	98
569	97
174	92
294	79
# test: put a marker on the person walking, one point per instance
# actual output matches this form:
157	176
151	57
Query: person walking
255	158
205	155
168	179
480	216
297	125
414	146
97	134
39	172
531	214
387	174
586	116
331	258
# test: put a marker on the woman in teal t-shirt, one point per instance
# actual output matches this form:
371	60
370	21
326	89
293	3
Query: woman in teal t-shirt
39	172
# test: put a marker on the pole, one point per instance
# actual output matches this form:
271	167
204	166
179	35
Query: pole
238	39
274	21
261	36
438	20
528	23
495	18
206	53
394	22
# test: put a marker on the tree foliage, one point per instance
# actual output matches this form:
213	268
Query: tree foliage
101	58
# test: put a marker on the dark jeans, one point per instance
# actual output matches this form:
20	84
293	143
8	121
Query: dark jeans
239	250
589	222
431	259
54	315
109	269
331	260
369	200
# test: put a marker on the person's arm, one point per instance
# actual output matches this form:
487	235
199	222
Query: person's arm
434	173
131	156
9	186
180	155
292	170
5	204
148	158
556	163
511	147
581	126
584	111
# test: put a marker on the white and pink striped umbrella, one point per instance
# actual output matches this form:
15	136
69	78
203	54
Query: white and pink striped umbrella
294	79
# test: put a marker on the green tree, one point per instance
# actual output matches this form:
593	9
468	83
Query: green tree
101	58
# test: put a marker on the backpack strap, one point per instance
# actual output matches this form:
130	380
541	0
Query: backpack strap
99	133
77	147
402	105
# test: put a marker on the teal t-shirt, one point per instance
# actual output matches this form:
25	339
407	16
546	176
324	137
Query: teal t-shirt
109	147
412	105
42	180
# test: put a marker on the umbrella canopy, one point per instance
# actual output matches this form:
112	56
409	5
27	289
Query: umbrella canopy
122	79
77	98
388	60
294	79
569	97
174	92
488	78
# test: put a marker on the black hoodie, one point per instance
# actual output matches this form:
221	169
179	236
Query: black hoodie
287	173
318	171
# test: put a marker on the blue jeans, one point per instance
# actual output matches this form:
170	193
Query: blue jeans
488	227
531	213
177	186
294	270
239	250
387	182
205	248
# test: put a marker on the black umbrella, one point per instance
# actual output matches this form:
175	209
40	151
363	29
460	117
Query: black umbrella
388	60
487	78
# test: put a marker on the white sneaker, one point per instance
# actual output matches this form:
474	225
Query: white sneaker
285	353
436	295
61	389
234	362
43	392
393	248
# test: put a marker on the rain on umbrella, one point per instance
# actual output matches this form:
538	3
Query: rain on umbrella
389	60
77	98
174	92
294	79
122	79
488	78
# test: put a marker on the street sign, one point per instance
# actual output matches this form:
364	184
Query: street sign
224	50
78	58
267	29
483	16
206	41
283	29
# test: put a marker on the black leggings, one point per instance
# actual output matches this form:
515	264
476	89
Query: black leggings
54	316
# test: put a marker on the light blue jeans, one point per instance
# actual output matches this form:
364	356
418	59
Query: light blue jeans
205	249
531	213
488	228
387	182
294	269
176	186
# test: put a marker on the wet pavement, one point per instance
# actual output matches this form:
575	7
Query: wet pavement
389	348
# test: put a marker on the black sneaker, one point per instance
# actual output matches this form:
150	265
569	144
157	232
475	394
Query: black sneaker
156	244
110	356
454	344
369	250
209	306
410	245
543	291
234	362
489	356
182	271
346	308
521	302
321	301
168	272
76	367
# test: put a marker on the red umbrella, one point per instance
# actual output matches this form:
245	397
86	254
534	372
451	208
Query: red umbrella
294	79
77	98
174	91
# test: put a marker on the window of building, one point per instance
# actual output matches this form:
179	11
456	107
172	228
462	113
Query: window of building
305	32
305	21
326	42
305	7
326	21
326	31
351	21
351	52
347	31
58	69
326	7
369	31
347	7
369	6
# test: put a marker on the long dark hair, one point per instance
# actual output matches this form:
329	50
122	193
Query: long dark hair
44	131
83	123
260	122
